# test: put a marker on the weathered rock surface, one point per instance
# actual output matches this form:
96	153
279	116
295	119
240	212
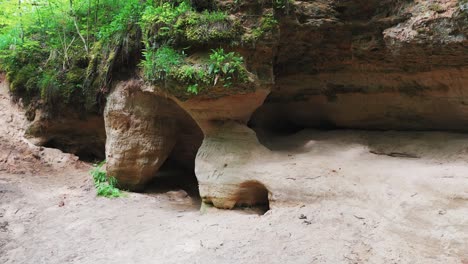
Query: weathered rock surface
228	158
227	140
142	131
380	65
372	65
17	155
354	64
349	64
71	132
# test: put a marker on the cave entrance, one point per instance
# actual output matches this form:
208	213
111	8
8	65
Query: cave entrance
93	152
177	174
253	195
178	181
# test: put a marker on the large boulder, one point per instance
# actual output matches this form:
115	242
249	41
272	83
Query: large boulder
143	130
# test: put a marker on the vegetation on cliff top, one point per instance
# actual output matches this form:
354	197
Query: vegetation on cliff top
65	51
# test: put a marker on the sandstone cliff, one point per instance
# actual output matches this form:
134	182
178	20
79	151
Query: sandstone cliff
377	65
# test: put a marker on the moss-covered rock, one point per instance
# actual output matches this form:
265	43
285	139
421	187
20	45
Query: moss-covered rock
208	28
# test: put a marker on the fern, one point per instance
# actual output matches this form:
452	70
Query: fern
105	185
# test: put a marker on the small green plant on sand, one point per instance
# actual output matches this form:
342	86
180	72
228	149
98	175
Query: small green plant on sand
105	185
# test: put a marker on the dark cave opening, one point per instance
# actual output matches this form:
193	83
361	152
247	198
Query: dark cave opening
173	176
271	123
253	195
93	152
177	173
279	127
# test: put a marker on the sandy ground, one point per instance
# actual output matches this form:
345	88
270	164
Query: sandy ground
402	209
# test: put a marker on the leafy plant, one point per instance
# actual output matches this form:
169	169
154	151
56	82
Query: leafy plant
105	185
196	76
221	67
281	4
193	88
160	63
226	67
158	20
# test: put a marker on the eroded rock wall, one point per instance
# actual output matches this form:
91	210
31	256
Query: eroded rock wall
372	65
351	64
70	131
379	65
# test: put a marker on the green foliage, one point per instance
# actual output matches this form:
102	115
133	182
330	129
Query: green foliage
49	87
105	186
177	23
126	18
164	14
207	27
166	63
65	51
157	64
227	67
193	88
281	4
158	20
53	40
194	75
168	25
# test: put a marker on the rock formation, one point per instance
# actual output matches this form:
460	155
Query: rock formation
355	64
72	132
379	65
143	130
372	65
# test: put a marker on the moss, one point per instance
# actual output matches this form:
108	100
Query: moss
268	25
50	88
208	27
24	81
75	75
181	25
437	8
98	73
